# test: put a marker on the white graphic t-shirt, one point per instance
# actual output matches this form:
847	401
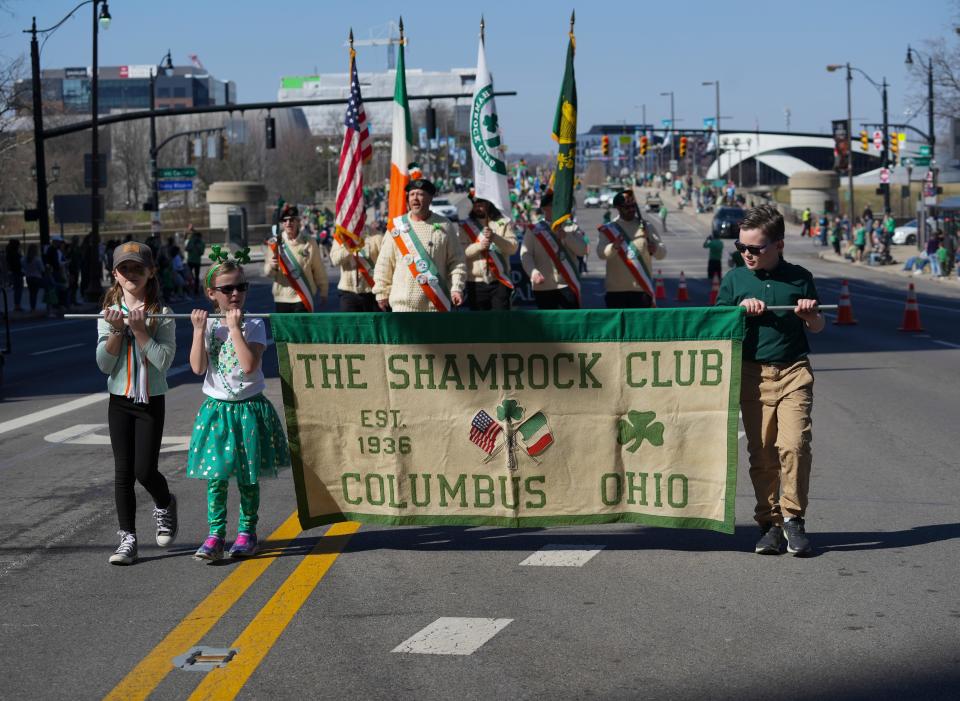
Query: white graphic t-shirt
225	379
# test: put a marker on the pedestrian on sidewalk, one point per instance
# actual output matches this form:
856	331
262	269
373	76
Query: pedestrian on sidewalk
836	232
195	248
33	270
860	240
806	219
15	271
237	433
776	394
136	354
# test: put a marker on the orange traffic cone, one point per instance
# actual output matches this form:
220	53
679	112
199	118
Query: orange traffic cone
844	308
714	290
682	295
911	313
661	292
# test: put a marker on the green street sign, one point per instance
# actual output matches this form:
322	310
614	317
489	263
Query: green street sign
925	151
921	161
188	172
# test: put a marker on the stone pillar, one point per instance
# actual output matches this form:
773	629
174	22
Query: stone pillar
249	195
817	189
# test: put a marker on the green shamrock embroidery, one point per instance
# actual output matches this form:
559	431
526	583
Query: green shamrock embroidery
638	426
509	410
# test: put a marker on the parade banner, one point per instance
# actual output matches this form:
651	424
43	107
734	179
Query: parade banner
514	419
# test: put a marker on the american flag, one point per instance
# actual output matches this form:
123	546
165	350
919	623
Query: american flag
357	149
484	431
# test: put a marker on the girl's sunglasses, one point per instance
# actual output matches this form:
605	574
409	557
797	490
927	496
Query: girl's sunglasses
230	289
753	250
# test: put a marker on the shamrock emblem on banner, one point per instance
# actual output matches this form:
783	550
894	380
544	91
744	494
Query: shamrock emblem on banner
639	426
490	121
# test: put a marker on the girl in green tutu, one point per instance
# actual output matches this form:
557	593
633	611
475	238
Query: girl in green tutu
237	433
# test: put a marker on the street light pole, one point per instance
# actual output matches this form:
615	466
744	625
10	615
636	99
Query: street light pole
885	157
166	63
673	126
851	213
931	138
717	84
43	210
93	275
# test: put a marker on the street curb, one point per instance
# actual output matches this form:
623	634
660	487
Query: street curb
893	270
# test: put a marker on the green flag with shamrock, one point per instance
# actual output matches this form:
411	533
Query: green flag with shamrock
565	134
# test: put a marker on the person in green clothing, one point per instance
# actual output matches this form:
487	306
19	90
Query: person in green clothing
195	248
943	257
836	232
663	216
776	386
860	240
714	256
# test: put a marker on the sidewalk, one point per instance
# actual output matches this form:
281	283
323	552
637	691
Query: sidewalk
891	270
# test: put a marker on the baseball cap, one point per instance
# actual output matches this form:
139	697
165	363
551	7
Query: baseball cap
135	251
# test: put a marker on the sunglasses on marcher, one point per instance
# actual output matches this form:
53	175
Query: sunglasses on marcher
753	250
230	289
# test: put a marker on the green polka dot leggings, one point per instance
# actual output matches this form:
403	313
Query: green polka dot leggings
217	507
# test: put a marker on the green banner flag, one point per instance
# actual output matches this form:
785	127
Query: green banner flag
565	134
519	419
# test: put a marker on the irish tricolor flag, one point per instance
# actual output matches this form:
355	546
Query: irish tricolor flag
402	147
536	434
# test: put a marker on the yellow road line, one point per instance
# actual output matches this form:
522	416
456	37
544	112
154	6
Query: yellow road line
256	640
152	669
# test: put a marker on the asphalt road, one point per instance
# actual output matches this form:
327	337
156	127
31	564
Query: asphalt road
651	613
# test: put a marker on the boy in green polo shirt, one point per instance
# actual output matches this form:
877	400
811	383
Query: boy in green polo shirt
776	393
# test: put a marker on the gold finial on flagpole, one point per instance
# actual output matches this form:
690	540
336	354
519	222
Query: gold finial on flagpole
573	19
482	28
401	30
353	52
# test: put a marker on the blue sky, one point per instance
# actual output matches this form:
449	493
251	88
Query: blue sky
768	56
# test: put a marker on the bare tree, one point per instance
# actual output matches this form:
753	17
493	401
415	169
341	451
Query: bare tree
130	163
945	56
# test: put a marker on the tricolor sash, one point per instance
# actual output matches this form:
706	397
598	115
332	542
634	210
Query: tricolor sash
631	257
493	256
558	254
354	245
291	269
138	374
420	264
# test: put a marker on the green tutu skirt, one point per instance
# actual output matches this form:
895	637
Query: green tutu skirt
243	440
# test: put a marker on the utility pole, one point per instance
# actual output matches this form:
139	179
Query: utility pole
851	214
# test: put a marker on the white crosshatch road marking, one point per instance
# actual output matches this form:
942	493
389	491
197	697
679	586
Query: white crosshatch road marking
561	556
453	636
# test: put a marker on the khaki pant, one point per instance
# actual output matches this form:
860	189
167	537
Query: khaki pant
775	401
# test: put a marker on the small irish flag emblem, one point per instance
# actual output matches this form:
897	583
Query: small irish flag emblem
536	434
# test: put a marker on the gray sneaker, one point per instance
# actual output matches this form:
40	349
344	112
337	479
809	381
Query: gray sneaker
770	541
126	552
797	542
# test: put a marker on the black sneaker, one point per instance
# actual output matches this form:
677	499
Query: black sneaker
166	523
770	542
797	542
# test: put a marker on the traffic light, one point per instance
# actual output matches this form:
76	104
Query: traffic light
644	144
683	146
864	141
605	145
894	144
271	134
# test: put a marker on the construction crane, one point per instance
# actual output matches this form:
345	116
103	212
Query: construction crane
383	35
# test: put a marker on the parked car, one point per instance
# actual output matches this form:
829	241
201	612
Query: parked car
726	222
445	208
592	199
907	233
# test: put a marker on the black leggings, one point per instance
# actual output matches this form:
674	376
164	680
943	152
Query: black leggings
135	433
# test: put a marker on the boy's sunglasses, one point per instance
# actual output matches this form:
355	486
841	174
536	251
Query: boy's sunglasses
753	250
230	289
